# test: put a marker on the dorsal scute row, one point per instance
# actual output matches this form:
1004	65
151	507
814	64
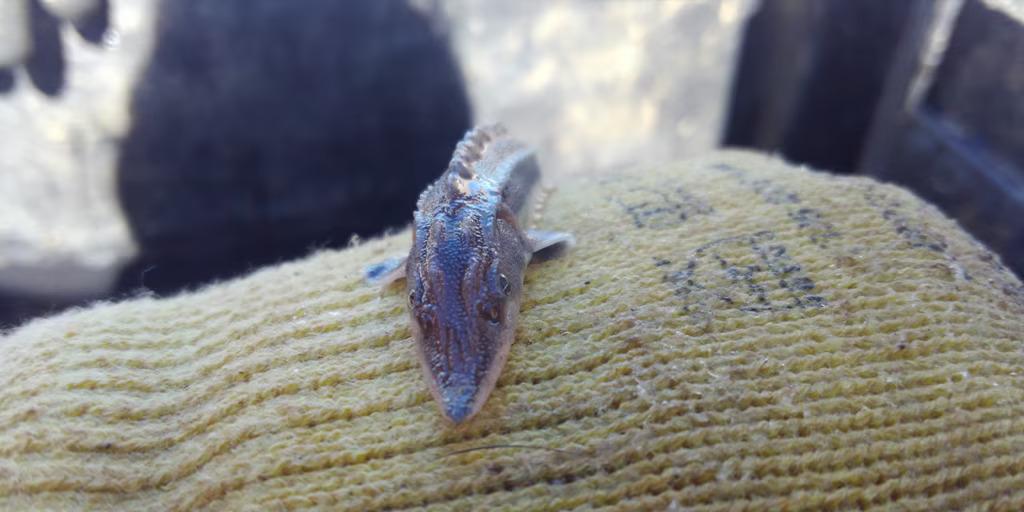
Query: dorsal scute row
471	148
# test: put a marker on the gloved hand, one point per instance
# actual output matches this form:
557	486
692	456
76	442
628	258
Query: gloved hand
30	37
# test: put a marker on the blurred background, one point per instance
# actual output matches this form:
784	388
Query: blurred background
154	146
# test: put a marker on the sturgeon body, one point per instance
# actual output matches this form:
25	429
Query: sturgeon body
464	273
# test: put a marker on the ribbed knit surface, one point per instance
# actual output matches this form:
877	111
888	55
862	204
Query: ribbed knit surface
730	333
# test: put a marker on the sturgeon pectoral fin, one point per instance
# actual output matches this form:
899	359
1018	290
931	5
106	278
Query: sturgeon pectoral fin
385	272
548	244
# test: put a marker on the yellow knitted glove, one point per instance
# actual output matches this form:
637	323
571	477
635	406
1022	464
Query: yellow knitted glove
729	333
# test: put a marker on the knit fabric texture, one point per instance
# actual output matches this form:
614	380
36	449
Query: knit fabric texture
729	333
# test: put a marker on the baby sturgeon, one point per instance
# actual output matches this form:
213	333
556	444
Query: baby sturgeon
464	273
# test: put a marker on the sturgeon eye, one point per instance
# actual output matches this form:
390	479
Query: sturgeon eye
412	298
490	311
426	316
506	287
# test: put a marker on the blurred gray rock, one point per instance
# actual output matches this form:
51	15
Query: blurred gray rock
601	84
71	10
63	237
15	43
